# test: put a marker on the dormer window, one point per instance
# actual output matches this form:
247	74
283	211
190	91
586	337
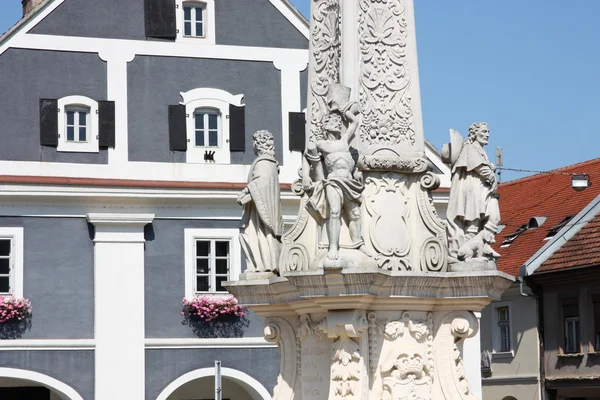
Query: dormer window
194	19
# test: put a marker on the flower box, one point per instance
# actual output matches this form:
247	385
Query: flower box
14	309
209	308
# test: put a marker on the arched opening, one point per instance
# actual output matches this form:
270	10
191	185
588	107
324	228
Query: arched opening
200	384
28	385
509	398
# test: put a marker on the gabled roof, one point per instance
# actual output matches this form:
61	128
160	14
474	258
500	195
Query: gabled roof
543	195
302	21
582	250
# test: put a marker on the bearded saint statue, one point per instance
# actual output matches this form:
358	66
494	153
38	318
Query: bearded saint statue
262	223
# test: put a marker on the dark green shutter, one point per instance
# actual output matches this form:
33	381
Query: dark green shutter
237	128
49	122
297	139
106	123
160	19
177	128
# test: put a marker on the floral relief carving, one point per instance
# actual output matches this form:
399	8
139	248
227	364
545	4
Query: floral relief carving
325	54
345	368
384	78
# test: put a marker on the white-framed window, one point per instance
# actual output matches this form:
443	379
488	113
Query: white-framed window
502	328
78	125
207	125
11	261
196	21
212	256
207	128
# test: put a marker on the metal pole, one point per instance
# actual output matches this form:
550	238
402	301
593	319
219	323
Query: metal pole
218	389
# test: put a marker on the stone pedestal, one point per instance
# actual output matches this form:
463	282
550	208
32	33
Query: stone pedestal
366	333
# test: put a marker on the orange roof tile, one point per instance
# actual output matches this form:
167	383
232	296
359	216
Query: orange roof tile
582	250
543	195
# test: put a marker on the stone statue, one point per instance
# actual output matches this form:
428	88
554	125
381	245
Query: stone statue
262	224
473	213
336	187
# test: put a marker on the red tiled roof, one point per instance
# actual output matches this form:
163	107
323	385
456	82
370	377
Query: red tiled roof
543	195
582	250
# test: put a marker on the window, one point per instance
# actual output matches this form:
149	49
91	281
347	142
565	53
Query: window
212	264
78	125
571	327
207	128
212	256
501	329
554	230
208	124
596	310
504	328
193	19
11	261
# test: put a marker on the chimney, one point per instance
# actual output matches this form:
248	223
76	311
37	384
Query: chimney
29	5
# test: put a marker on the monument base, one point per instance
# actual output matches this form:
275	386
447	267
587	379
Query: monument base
366	333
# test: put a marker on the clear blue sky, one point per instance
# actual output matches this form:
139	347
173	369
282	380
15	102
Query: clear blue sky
528	67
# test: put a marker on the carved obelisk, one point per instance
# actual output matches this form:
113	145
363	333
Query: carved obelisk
364	307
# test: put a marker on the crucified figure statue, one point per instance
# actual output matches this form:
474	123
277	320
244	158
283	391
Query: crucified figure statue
339	190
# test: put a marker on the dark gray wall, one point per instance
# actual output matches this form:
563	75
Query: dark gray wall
165	284
155	82
255	23
116	19
28	75
74	368
164	366
58	277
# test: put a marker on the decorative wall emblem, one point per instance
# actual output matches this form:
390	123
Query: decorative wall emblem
325	56
407	362
385	201
384	78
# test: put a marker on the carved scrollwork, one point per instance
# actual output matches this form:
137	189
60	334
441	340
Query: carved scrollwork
297	258
450	369
281	332
434	255
325	56
384	78
429	181
392	163
345	367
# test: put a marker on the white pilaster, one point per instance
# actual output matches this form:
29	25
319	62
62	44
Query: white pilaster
472	359
119	305
116	77
290	102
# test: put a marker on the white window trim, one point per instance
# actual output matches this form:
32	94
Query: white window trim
209	22
215	99
496	332
16	234
190	235
91	145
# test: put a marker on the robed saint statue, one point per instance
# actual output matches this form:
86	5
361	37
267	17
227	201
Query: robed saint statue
262	223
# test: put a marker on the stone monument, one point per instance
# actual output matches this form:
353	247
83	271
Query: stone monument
473	213
364	306
262	222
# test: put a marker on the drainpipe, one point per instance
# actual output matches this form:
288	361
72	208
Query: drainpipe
538	293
